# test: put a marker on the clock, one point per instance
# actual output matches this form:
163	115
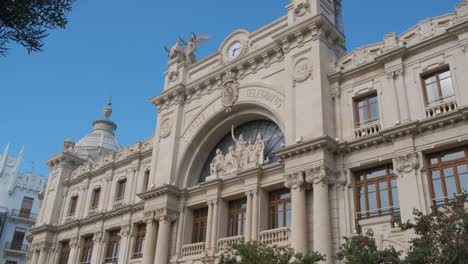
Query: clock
234	50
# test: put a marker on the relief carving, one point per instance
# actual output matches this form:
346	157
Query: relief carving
319	175
166	128
302	70
241	156
462	11
390	41
294	180
230	91
407	163
425	29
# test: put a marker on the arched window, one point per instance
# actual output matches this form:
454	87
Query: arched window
271	134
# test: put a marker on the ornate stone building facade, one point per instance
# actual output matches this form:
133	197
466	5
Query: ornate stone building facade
280	137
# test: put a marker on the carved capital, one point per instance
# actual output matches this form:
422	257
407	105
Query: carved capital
124	230
407	163
394	74
148	217
73	242
294	181
321	174
97	237
165	215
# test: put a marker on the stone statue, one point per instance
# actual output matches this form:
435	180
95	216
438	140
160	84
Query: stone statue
218	164
231	160
239	146
191	46
245	160
176	52
258	155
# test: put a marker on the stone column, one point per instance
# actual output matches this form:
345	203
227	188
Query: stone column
255	214
214	229
150	238
43	255
296	183
124	241
320	178
35	257
408	188
97	240
248	231
180	231
162	247
209	223
73	243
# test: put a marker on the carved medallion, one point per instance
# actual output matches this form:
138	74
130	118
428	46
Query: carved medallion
425	29
166	128
302	70
390	41
360	56
230	91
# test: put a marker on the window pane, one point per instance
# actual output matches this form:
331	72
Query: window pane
463	176
376	173
374	110
444	75
450	182
453	156
288	214
362	109
447	88
434	161
432	93
280	216
438	191
384	201
396	200
285	195
430	80
362	200
372	197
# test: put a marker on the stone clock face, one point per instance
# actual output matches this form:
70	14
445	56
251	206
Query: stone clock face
234	50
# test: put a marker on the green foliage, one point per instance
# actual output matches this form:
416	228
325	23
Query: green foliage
261	253
362	248
26	21
441	236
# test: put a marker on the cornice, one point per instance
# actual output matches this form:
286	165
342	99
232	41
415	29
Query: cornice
160	191
323	142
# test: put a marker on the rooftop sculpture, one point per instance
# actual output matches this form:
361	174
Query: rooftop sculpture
186	54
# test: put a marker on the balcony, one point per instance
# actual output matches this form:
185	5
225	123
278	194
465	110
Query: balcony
368	129
13	248
24	214
226	243
111	260
279	236
443	106
193	249
389	214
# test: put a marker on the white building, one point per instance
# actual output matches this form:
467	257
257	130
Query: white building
19	205
281	137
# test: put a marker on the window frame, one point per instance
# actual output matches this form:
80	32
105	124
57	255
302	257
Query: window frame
17	240
200	222
96	196
440	166
64	255
114	239
146	177
87	250
72	206
120	189
387	178
436	73
26	207
274	199
358	122
235	211
139	241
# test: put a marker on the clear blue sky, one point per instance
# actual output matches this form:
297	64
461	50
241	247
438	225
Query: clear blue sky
115	47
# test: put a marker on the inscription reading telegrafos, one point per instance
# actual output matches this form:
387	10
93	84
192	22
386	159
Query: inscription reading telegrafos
266	95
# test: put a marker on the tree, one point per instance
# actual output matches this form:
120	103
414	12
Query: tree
26	21
362	248
441	236
261	253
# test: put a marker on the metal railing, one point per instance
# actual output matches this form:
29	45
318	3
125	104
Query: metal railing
393	212
136	255
16	246
444	201
111	260
26	214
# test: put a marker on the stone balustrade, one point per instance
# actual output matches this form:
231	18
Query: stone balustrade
367	129
193	249
441	107
279	236
227	242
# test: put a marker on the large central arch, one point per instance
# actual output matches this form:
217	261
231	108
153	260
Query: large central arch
206	139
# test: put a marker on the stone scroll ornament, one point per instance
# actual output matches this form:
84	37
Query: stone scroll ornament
229	91
242	155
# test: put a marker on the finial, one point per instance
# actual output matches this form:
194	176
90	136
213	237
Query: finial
108	109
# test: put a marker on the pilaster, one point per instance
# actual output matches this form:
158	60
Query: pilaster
296	183
150	238
124	243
